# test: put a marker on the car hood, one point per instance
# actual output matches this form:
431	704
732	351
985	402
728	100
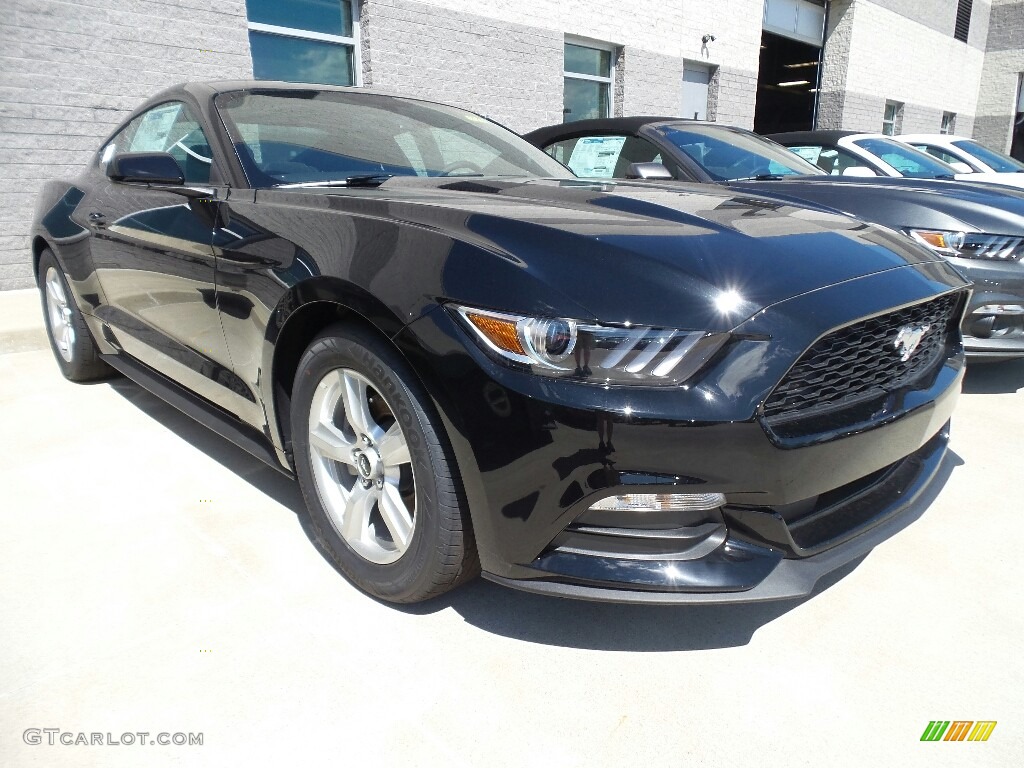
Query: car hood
660	254
906	203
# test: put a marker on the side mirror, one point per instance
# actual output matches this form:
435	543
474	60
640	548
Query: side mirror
149	167
859	170
648	171
962	167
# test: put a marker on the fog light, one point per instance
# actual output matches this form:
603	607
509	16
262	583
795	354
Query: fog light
661	502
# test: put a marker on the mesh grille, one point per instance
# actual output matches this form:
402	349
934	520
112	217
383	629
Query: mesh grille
862	360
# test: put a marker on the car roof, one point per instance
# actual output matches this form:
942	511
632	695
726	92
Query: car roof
941	138
627	124
810	137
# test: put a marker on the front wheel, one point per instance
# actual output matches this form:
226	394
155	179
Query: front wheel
73	348
375	470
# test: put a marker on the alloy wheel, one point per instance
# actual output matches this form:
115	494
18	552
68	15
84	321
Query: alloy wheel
361	466
62	329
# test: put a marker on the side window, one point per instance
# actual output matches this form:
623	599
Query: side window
167	128
561	150
604	157
938	152
832	160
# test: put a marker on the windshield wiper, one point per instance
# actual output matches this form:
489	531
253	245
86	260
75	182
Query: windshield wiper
364	180
764	177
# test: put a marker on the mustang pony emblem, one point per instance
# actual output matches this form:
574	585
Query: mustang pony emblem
908	338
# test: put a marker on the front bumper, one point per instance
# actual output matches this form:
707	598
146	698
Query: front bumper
535	454
739	571
992	328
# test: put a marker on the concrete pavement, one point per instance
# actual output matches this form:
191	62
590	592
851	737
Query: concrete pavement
157	579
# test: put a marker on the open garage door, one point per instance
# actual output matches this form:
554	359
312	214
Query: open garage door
787	79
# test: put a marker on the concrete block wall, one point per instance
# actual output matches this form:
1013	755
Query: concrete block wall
69	72
1004	64
501	69
893	55
656	38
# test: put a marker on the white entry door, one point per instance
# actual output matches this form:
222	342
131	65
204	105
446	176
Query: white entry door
696	78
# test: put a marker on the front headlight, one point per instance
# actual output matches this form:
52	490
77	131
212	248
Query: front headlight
601	354
971	245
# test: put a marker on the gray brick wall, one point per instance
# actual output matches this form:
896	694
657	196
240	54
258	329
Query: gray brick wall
69	72
735	93
652	83
836	59
509	72
1004	63
940	15
920	119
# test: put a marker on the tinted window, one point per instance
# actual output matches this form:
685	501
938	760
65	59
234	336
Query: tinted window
832	160
167	128
728	155
332	17
286	137
995	160
907	160
938	152
295	60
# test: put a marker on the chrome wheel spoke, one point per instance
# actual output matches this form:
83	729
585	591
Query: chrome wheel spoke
357	406
394	450
329	443
396	516
358	506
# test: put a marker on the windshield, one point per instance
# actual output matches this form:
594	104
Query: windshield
908	161
728	155
997	161
291	137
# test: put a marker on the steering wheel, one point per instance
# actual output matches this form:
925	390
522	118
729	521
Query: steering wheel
449	169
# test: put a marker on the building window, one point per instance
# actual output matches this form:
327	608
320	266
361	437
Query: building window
304	41
948	122
963	19
589	71
892	118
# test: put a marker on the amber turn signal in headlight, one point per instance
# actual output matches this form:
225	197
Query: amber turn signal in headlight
600	354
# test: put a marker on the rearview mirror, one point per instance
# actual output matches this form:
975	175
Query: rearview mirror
858	170
150	167
648	171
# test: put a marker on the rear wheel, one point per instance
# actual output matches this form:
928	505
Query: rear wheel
375	470
73	348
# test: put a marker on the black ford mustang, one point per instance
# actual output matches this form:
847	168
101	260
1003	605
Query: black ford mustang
471	359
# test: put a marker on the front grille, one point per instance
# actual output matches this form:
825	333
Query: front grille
861	361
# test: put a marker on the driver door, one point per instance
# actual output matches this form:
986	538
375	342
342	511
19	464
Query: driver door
154	256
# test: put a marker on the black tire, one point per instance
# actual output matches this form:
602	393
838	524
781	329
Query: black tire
441	552
84	363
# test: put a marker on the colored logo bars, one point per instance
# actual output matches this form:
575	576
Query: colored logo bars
958	730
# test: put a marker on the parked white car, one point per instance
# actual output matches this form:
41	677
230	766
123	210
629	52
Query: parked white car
849	153
969	156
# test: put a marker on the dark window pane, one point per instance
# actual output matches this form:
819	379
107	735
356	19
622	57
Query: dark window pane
585	99
332	17
587	61
275	57
999	162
